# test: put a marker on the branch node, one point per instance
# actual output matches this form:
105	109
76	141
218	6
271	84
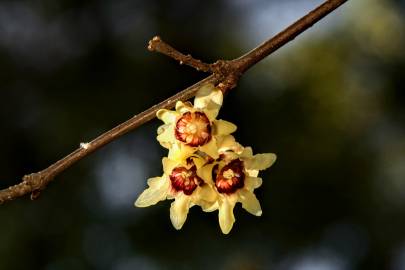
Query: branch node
228	73
37	181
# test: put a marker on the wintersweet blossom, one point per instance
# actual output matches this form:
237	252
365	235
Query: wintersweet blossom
235	176
181	182
194	127
205	165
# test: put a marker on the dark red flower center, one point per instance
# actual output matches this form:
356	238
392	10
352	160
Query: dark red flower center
193	129
231	177
185	180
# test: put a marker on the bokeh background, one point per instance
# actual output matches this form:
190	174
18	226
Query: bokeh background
330	104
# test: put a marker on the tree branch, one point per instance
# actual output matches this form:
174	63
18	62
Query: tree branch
225	74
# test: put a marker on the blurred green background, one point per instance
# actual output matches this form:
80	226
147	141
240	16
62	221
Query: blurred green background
331	105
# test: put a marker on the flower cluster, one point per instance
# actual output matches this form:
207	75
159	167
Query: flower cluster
205	166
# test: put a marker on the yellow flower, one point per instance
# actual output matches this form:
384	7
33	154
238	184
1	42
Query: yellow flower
205	165
194	127
235	178
181	182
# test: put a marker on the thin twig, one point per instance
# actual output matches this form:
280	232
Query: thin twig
157	44
225	75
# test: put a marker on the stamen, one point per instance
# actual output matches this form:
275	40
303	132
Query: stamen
231	177
185	180
193	129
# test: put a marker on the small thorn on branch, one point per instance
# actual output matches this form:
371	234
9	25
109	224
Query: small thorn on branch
156	44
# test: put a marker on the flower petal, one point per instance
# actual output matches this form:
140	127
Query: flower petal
205	193
222	127
225	215
212	113
247	152
208	206
167	116
252	173
260	161
155	181
157	191
228	143
208	94
168	165
249	202
198	161
205	173
209	100
166	135
179	210
211	148
179	151
183	107
252	183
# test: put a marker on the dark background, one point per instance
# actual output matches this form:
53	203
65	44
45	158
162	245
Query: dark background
331	105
